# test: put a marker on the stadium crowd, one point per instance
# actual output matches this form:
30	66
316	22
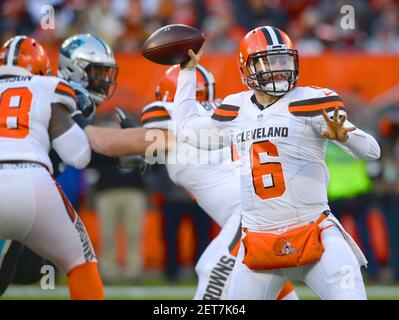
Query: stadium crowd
125	24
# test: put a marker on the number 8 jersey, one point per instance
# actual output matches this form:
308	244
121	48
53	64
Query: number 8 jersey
25	112
284	177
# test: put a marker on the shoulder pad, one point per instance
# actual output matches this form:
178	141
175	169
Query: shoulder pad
319	99
225	112
64	88
154	112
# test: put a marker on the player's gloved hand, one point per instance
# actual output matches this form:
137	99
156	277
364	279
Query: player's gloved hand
80	119
123	118
130	163
84	102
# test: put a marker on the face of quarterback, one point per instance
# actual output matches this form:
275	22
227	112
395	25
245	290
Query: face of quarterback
273	72
273	68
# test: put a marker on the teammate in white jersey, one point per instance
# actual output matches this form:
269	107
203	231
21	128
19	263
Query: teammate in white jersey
281	131
206	175
35	116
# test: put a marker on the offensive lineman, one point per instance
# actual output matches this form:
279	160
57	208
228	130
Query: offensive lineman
281	131
36	116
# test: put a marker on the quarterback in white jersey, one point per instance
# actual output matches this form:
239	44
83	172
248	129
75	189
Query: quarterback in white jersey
207	175
281	131
35	116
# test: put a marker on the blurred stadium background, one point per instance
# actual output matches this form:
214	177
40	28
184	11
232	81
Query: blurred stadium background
361	64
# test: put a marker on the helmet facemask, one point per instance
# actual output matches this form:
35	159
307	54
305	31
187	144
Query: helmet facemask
87	60
274	72
101	80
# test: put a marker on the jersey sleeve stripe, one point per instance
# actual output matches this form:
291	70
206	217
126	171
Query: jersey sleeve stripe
228	107
317	107
154	119
315	101
222	118
155	114
314	113
226	113
65	90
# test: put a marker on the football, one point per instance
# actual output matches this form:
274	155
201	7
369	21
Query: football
169	44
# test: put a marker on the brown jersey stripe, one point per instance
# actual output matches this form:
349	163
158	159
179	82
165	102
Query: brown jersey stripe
222	118
235	243
155	114
228	107
154	108
314	101
314	113
67	204
155	119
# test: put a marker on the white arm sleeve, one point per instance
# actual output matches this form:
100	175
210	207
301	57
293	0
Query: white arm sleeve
360	144
200	132
73	147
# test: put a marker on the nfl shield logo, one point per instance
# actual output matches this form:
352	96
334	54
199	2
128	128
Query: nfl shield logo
260	117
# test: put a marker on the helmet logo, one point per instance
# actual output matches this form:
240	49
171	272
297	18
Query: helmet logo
283	247
71	47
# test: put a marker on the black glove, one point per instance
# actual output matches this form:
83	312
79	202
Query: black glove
84	102
123	119
130	163
80	119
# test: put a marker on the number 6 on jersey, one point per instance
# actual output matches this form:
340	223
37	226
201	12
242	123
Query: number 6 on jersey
262	170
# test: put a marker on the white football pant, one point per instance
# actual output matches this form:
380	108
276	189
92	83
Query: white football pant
34	212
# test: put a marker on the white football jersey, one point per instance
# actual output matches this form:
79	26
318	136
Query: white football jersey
159	115
284	176
25	108
207	175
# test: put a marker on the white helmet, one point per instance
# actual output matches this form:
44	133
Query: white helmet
89	61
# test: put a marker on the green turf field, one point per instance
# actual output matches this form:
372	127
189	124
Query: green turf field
165	292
